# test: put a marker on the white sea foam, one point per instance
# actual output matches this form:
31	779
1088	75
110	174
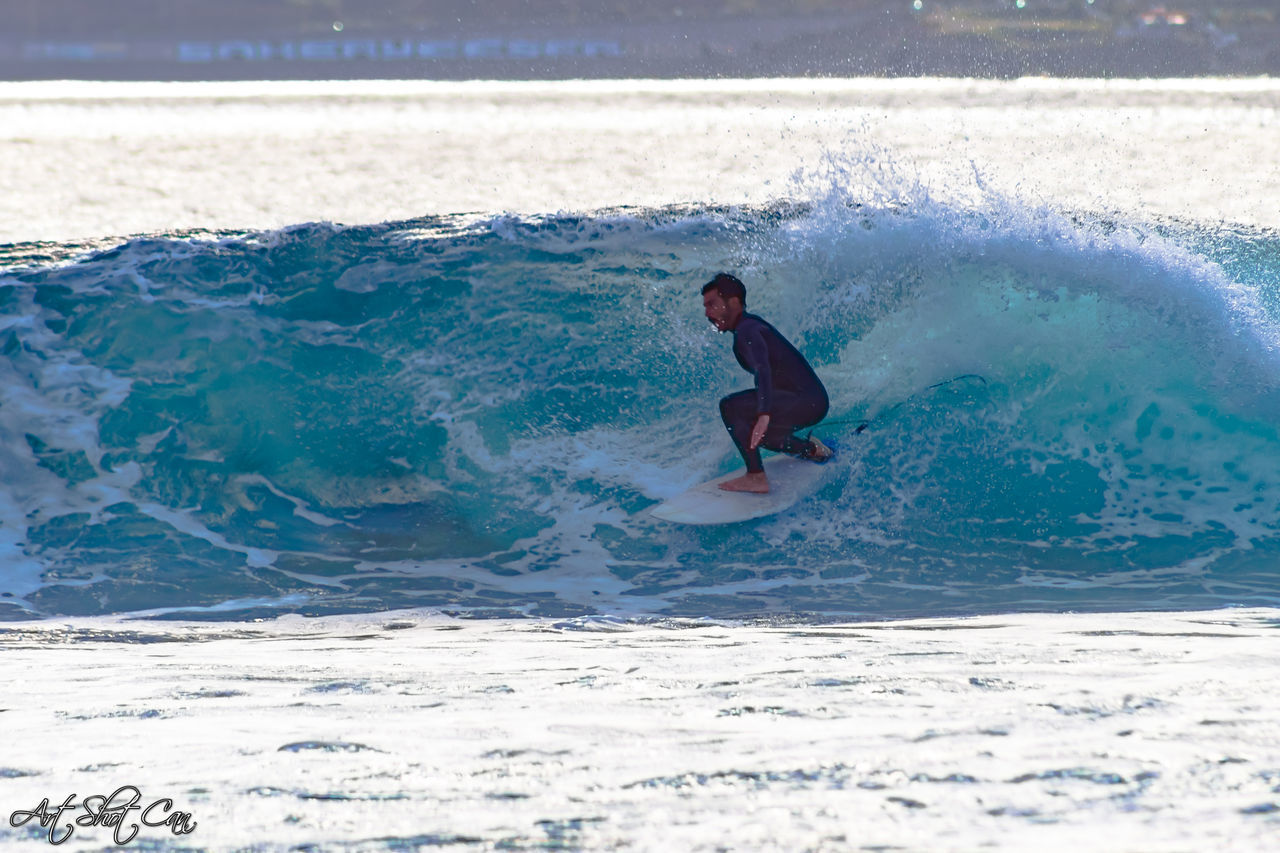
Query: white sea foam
1053	731
92	160
387	731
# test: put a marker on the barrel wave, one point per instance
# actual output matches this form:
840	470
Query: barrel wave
1036	409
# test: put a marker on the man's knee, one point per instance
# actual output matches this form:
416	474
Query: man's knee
736	407
776	439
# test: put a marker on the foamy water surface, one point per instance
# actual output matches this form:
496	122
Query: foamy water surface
92	160
1055	303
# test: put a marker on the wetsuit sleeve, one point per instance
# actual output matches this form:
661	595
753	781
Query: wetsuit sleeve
756	357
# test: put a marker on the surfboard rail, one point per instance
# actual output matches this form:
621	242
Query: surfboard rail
790	481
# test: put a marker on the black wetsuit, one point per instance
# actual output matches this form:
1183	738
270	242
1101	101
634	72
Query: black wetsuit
786	389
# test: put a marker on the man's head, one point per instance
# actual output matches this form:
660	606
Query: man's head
724	298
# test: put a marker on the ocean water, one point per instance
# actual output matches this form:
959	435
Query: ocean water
276	351
1067	408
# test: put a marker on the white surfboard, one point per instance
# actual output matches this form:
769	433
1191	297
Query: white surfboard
790	480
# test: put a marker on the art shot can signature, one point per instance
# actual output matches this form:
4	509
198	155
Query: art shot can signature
123	811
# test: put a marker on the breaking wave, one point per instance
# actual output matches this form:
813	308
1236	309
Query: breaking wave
1062	411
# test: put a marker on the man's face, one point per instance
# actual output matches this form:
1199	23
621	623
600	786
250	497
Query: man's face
722	314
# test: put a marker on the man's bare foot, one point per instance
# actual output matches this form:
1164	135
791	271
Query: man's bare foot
820	453
755	483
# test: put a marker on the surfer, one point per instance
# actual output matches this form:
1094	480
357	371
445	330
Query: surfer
788	395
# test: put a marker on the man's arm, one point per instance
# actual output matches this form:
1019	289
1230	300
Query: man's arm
756	355
758	431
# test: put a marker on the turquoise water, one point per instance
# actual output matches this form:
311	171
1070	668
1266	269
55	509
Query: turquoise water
1065	411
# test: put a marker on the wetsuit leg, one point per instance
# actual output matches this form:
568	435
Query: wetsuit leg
739	414
790	413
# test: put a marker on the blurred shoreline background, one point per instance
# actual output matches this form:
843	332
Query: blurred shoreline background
568	39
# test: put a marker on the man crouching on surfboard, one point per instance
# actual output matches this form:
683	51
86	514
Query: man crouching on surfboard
788	395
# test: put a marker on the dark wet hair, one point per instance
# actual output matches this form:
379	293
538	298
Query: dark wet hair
727	286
